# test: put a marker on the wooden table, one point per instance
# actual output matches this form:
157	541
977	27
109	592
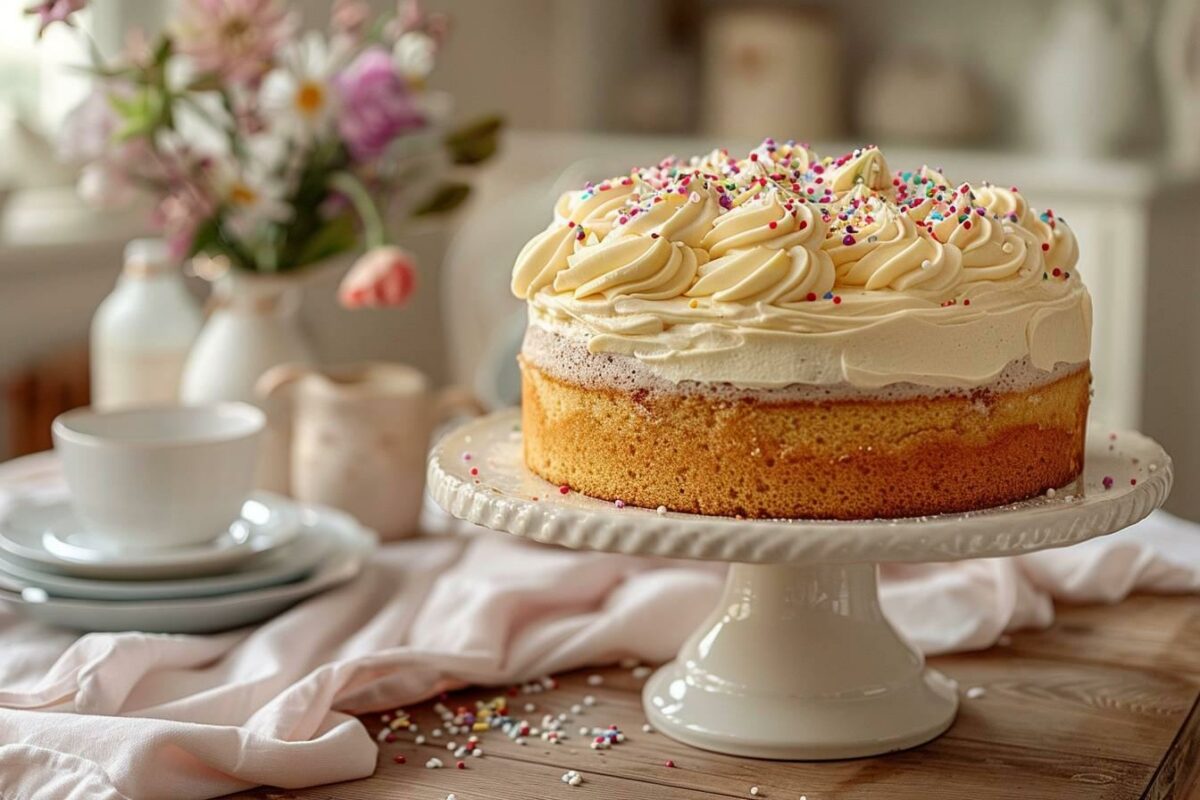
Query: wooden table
1105	704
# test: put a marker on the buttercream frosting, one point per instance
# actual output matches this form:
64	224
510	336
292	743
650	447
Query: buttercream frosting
785	268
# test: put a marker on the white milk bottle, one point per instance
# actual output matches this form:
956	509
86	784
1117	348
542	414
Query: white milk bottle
143	330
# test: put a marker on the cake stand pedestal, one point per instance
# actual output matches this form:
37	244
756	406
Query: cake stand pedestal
797	661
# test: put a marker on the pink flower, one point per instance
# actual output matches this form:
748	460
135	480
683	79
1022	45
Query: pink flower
179	216
49	12
411	16
87	132
187	202
235	39
350	17
377	105
384	276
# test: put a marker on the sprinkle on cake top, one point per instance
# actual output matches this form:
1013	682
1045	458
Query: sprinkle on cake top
784	226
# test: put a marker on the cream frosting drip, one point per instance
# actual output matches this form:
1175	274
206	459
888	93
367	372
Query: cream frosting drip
786	268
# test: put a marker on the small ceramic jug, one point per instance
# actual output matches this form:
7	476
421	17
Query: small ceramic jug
360	436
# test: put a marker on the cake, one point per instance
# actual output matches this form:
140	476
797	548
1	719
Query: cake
790	336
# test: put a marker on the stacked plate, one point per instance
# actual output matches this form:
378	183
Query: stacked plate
274	555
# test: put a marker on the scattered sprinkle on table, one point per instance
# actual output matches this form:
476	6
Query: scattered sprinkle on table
976	692
754	791
595	680
399	759
572	778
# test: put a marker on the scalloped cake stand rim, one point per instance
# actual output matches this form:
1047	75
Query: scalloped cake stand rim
504	495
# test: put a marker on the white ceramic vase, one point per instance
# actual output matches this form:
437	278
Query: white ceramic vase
254	326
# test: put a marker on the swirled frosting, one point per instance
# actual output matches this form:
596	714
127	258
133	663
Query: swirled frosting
786	268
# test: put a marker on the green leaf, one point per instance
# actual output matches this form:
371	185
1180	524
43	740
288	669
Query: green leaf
475	142
210	239
142	113
446	197
101	71
336	236
163	51
207	239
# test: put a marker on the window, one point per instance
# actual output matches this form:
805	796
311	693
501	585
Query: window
37	84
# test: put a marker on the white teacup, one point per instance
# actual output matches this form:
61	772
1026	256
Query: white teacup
158	477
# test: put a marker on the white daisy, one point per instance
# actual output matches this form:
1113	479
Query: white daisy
254	191
298	96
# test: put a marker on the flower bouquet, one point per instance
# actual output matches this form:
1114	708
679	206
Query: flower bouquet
270	150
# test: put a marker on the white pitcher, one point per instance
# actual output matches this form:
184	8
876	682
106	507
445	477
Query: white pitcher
360	436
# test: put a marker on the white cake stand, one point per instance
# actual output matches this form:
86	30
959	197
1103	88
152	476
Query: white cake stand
797	661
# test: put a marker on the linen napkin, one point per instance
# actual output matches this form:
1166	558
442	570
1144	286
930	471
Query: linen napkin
135	715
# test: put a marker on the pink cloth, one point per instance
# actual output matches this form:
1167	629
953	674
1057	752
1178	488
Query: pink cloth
149	716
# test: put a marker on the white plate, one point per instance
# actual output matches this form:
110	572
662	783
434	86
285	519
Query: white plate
352	542
290	562
48	537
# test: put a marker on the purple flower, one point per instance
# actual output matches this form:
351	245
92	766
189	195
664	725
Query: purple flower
376	105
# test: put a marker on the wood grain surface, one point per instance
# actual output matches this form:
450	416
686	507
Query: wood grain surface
1103	705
